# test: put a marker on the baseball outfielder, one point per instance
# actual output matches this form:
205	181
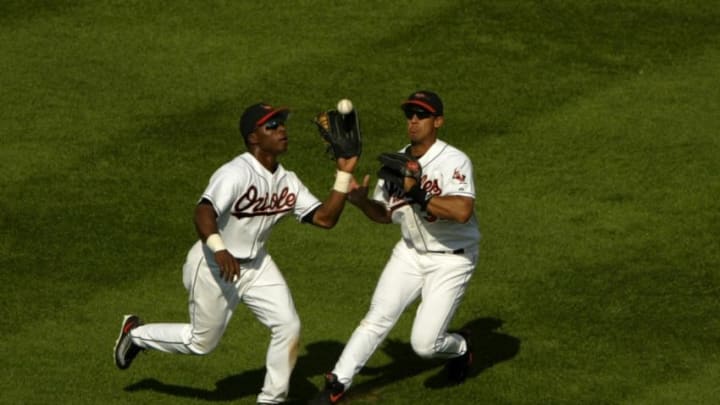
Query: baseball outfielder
229	264
428	189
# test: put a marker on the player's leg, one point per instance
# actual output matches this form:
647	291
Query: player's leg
270	301
447	277
211	301
398	286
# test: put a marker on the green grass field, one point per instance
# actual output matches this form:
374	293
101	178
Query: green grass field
594	128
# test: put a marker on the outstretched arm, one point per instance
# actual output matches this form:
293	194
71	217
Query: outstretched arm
342	133
328	214
358	196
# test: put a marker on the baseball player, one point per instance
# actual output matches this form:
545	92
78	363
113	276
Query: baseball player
229	264
435	258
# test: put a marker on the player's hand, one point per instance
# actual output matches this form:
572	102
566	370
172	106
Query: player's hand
347	164
229	267
358	192
408	183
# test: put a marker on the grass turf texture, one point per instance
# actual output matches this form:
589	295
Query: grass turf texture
593	130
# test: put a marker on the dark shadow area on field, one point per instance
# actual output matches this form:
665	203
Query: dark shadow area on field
319	358
490	347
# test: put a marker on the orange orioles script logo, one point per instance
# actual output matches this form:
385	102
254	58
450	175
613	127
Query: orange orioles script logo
252	204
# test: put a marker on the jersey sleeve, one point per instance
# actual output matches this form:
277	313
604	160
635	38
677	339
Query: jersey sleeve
458	180
222	189
306	201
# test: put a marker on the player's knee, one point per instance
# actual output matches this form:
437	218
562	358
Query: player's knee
204	343
293	327
288	329
202	348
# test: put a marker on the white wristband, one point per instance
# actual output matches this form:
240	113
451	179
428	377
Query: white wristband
215	243
342	182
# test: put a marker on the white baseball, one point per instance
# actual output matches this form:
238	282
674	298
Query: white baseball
344	106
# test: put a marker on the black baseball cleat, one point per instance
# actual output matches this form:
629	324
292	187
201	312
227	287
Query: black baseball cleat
458	368
332	393
125	349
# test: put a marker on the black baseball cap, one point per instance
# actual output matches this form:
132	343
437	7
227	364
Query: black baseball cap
258	114
425	99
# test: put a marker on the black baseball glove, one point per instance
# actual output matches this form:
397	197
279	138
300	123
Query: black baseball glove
340	132
395	167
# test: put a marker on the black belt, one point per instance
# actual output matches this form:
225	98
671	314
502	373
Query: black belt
448	252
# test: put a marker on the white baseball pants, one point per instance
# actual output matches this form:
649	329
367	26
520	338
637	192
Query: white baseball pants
439	279
212	302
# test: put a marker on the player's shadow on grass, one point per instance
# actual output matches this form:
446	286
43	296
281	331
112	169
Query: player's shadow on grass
319	356
490	347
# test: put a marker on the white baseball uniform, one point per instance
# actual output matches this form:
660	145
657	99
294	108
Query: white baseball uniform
248	200
434	260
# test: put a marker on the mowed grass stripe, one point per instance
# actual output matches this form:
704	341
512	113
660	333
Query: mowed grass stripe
611	227
116	134
538	198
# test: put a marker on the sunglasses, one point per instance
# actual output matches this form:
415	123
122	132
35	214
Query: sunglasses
274	124
419	112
